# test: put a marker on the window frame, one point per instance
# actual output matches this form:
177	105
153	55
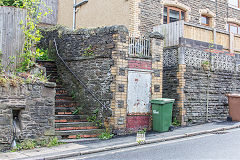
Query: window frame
236	25
175	9
238	6
208	20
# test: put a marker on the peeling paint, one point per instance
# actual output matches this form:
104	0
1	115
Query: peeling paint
139	92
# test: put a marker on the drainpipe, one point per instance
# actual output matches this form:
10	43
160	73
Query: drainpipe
75	10
74	14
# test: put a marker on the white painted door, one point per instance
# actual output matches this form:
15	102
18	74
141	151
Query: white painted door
139	92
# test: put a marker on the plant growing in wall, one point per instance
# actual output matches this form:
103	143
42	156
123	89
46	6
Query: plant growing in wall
94	118
89	51
207	67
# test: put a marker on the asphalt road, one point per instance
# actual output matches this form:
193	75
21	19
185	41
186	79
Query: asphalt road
221	145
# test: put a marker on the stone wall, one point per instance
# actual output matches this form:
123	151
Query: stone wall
151	12
186	79
31	107
220	84
222	79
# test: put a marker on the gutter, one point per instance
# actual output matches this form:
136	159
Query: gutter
75	6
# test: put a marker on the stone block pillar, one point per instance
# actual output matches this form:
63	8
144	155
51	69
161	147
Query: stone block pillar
156	40
122	121
119	84
180	88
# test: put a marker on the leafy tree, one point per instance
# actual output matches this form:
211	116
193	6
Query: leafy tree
15	3
30	29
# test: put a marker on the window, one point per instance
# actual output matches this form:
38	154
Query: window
234	3
234	28
172	14
205	20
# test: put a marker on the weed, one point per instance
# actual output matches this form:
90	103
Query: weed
43	54
31	144
88	51
93	118
99	123
73	95
105	135
24	145
78	136
78	110
176	122
53	142
3	81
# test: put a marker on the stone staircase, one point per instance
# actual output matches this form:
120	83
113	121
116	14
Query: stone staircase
68	125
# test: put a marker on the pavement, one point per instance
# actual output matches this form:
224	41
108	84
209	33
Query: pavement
95	146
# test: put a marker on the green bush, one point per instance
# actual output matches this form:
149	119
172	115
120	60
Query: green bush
43	54
105	135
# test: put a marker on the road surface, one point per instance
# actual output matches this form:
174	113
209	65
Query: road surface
221	145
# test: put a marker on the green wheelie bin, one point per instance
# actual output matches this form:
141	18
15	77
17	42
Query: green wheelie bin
162	114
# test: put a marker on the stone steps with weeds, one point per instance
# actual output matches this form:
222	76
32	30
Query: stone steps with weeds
68	125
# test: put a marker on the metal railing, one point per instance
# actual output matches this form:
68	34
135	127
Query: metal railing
81	82
139	47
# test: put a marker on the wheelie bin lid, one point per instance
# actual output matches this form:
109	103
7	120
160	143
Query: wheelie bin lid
233	95
162	101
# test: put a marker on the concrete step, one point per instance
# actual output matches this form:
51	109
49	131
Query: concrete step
64	109
51	69
52	74
76	124
46	63
53	78
63	113
59	85
61	91
65	103
63	97
70	118
80	132
79	136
